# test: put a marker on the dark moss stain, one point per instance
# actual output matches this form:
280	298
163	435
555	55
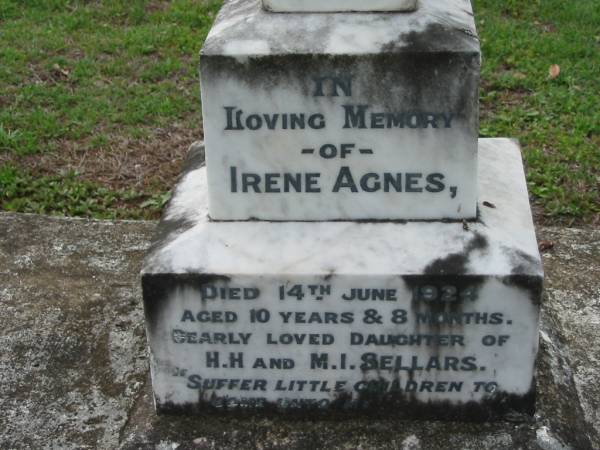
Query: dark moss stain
388	81
376	405
441	308
444	273
522	262
427	40
329	276
456	263
526	273
405	405
194	159
157	288
169	229
533	285
453	263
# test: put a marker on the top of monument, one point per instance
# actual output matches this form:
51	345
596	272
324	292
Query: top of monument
338	5
437	26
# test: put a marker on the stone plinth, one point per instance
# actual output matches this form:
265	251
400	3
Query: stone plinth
341	116
419	318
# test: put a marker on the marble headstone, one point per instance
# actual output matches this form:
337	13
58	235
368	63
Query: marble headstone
341	116
350	244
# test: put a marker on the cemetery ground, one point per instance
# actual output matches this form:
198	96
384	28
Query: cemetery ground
100	100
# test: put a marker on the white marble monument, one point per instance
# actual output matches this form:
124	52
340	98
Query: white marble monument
288	273
341	116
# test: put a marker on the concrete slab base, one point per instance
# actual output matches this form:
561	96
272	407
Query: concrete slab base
74	372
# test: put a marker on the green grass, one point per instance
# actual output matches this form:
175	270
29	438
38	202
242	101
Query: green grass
93	76
67	195
70	68
556	120
102	76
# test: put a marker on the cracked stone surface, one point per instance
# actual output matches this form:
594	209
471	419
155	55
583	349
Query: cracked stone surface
74	372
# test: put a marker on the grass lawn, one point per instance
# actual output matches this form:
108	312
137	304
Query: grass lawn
99	101
556	119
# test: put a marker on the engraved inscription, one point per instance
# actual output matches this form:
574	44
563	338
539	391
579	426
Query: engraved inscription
348	179
305	343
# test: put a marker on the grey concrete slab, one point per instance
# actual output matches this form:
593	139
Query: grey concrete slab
74	373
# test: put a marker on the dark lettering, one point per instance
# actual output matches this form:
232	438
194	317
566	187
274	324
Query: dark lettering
355	116
316	121
344	180
412	180
238	123
312	183
250	180
254	122
377	120
297	121
271	180
271	120
435	183
364	182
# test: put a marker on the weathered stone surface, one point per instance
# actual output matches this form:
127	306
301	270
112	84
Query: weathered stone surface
72	358
341	116
570	337
73	368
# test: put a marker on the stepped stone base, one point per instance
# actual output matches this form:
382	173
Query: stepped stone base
422	319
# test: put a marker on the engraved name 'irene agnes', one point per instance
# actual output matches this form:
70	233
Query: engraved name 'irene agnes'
354	117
